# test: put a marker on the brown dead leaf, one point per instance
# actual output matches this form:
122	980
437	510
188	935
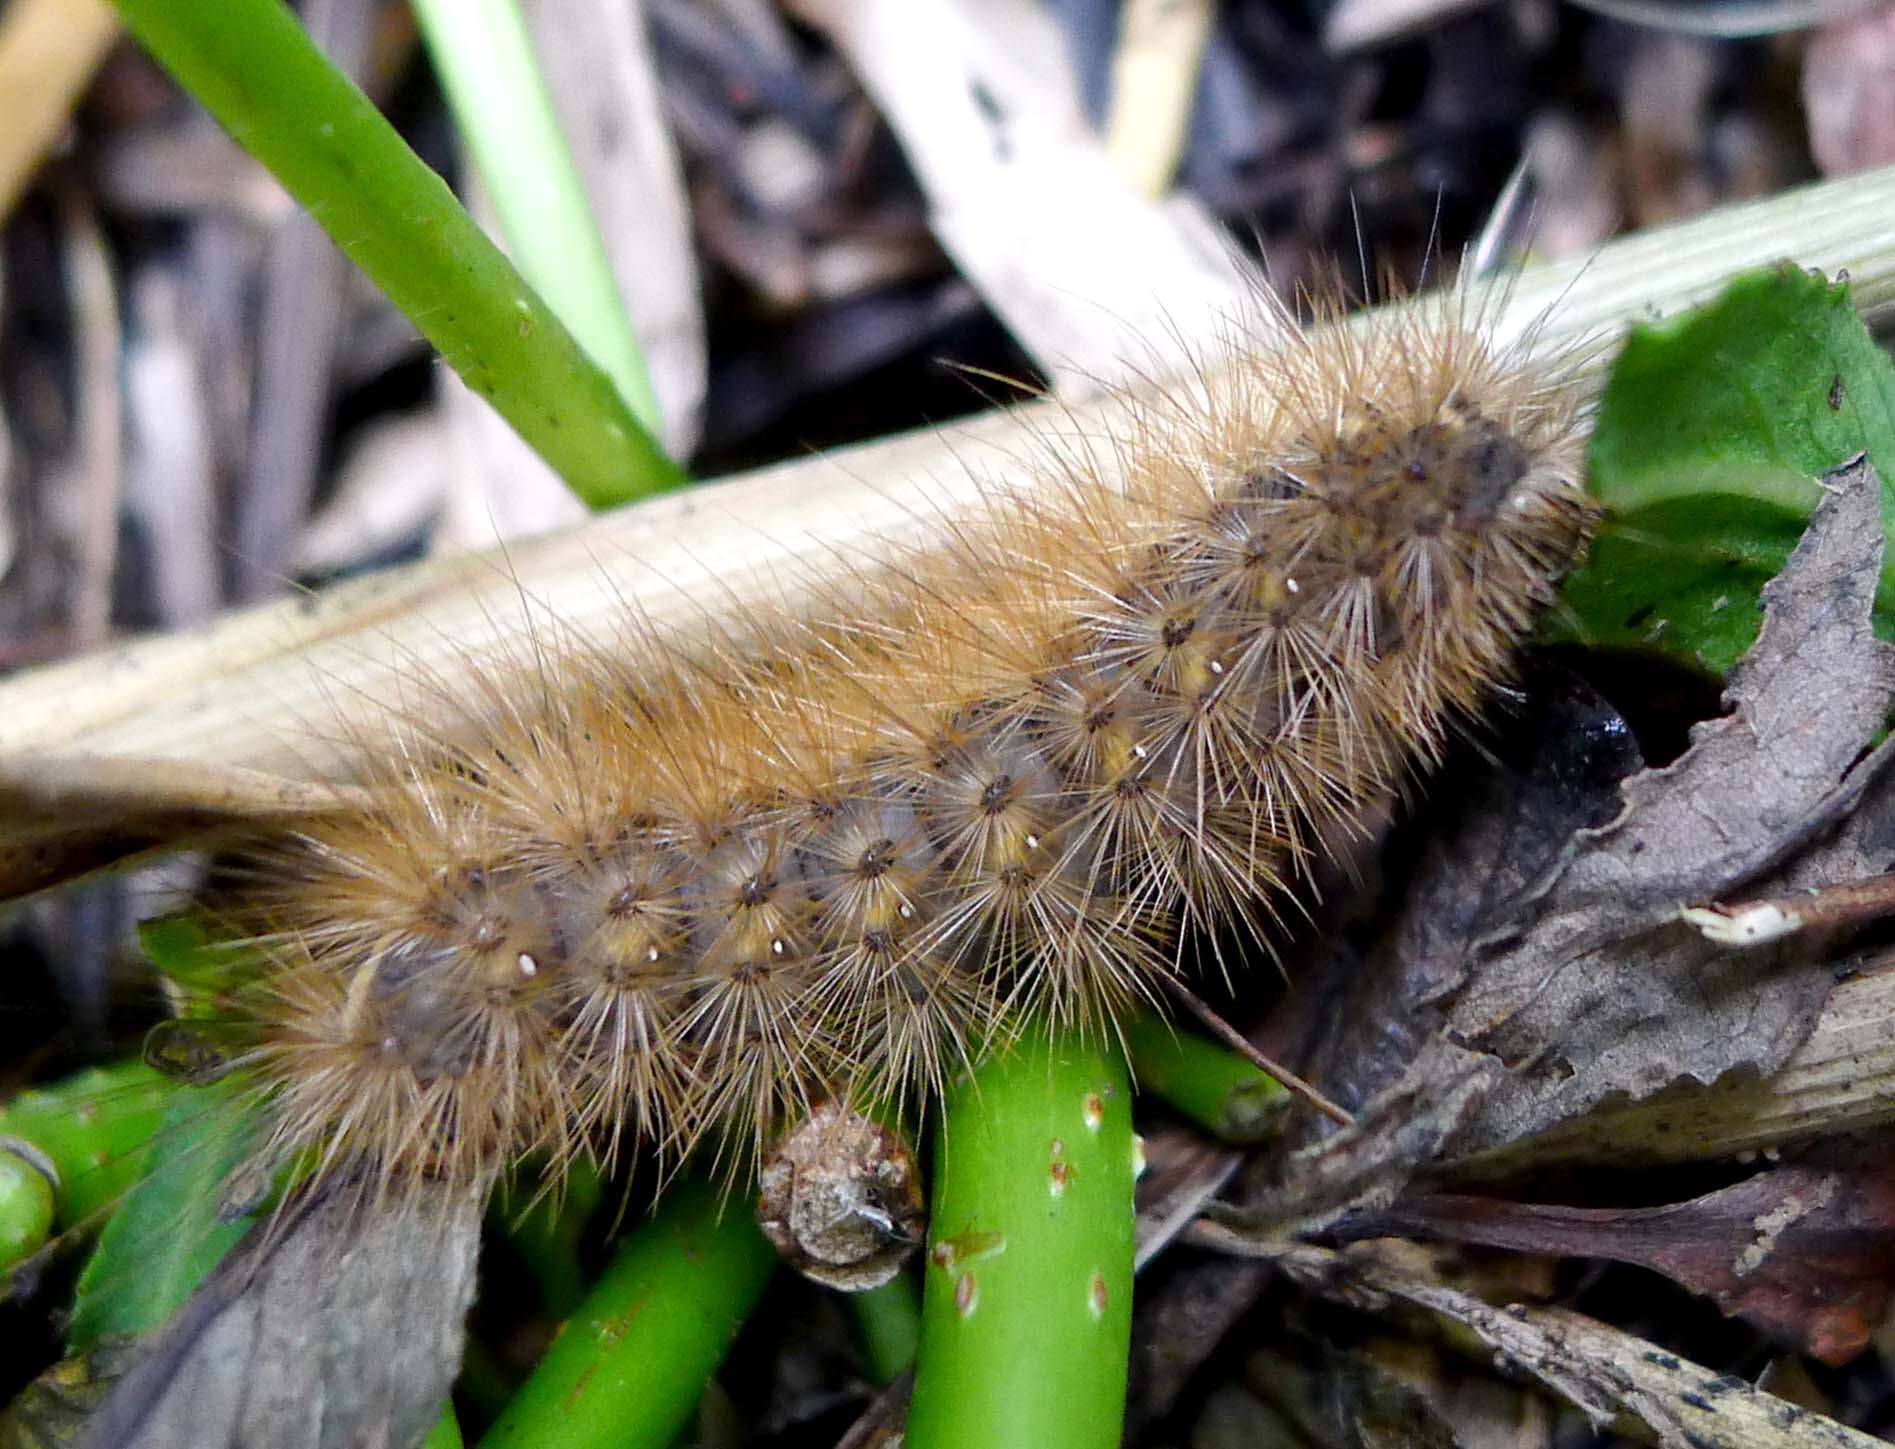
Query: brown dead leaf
1804	1251
1597	989
1496	823
1614	1377
1540	970
1847	93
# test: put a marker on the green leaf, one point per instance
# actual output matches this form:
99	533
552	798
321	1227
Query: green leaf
201	970
1711	437
167	1235
95	1129
169	1231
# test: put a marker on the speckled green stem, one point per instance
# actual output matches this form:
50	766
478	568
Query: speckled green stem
1027	1305
1225	1095
628	1367
253	67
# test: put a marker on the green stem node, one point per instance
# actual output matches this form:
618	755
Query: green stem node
26	1208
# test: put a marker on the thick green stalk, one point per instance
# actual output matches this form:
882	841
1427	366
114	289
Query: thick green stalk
253	67
1027	1308
1225	1095
628	1367
484	56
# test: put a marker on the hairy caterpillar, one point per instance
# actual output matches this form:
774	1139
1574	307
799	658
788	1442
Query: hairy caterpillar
629	893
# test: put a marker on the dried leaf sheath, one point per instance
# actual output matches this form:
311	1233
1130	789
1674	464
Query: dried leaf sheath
670	895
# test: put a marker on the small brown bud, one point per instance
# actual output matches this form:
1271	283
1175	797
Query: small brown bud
841	1199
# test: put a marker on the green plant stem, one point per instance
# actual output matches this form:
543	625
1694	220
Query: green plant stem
484	56
888	1319
253	67
1027	1305
1217	1089
546	1232
627	1369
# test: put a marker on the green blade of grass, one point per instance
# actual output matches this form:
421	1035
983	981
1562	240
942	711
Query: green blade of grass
484	56
1027	1306
169	1233
253	67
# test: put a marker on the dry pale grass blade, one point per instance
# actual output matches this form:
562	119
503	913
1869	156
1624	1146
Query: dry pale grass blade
94	470
389	486
1359	24
1024	196
1154	87
262	689
65	815
48	52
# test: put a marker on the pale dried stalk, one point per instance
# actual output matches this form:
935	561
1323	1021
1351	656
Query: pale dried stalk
48	52
262	689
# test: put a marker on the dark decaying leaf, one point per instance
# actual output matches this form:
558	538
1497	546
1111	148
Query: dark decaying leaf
1582	986
1600	990
1804	1251
1498	818
1611	1375
1498	822
337	1324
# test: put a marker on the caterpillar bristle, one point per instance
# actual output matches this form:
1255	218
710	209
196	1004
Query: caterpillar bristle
640	894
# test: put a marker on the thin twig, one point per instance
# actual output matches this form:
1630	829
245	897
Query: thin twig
1240	1044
